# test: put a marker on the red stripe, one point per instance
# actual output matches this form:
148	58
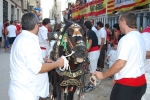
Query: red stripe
133	81
110	6
43	48
110	2
94	49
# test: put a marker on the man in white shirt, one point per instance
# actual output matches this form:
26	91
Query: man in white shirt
43	38
129	68
146	37
12	31
102	42
93	27
28	72
1	29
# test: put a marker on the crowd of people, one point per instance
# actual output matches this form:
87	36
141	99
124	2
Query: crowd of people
123	48
128	56
9	30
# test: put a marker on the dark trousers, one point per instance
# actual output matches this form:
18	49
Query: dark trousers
123	92
102	57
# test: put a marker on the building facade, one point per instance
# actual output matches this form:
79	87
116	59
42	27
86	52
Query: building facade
10	9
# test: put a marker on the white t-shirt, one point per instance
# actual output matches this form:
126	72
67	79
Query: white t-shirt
25	64
43	31
1	28
112	54
131	48
11	30
146	37
103	34
99	37
94	29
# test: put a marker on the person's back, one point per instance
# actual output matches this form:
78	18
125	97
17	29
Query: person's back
11	30
137	56
21	73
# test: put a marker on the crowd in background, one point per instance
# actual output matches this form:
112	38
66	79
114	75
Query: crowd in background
8	32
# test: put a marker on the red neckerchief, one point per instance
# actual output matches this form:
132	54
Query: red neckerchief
147	29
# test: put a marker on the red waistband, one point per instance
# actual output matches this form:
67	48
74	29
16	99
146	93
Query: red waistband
94	49
43	48
133	81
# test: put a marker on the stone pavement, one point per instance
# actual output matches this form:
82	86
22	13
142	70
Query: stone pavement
102	91
4	74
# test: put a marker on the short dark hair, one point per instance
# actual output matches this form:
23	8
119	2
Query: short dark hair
29	20
11	22
107	25
88	25
7	24
46	21
100	24
130	19
116	26
92	20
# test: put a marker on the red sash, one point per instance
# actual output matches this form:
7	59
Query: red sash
94	49
133	81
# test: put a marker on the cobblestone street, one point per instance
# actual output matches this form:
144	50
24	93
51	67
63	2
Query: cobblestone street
101	92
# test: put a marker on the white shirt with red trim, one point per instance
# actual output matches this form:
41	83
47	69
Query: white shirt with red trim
43	36
26	83
131	48
146	37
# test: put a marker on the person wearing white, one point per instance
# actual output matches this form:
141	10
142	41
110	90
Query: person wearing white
102	42
129	68
43	38
112	56
93	27
12	31
28	72
146	37
1	29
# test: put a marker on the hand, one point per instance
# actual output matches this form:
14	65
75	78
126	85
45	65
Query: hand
61	62
113	82
99	75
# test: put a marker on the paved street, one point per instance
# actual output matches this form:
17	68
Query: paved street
4	74
102	91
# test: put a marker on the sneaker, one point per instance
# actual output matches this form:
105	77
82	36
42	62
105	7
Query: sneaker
90	88
110	78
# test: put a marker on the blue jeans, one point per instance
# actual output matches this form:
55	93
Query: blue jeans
7	42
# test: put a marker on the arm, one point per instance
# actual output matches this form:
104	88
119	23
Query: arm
107	58
50	66
89	44
117	66
147	54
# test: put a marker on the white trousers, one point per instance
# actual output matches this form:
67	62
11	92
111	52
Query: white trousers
93	57
17	93
146	96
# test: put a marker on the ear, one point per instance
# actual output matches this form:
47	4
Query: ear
82	20
66	21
